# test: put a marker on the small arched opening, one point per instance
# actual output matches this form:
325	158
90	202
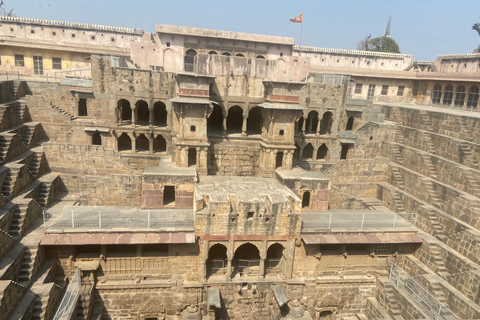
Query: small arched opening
350	124
260	57
142	112
189	60
246	260
274	261
124	111
124	142
240	55
299	127
226	54
159	144
306	200
217	260
96	139
322	152
279	160
215	121
254	121
326	315
437	94
235	120
159	114
472	100
312	122
192	157
212	52
459	97
448	95
345	150
308	151
326	124
141	143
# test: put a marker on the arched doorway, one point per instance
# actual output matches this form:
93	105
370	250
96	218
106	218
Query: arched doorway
254	121
306	200
160	114
274	261
142	112
326	124
246	261
322	152
141	143
96	139
159	144
234	120
279	160
124	142
308	151
124	111
312	122
217	260
192	157
215	121
350	124
189	60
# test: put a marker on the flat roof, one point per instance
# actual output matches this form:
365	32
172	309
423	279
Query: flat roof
221	34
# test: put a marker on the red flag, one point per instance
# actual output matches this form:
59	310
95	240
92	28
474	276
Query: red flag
297	19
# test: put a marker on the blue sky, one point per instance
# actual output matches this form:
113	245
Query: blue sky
424	28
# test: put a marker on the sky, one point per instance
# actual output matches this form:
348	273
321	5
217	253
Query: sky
424	28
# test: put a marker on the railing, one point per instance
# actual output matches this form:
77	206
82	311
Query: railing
188	67
273	265
357	220
130	218
216	266
247	267
79	71
336	79
115	266
356	52
69	300
426	303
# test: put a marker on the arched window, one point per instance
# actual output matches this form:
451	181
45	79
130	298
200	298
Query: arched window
226	54
235	120
246	260
212	52
217	260
459	97
124	142
260	57
274	261
142	112
306	200
312	122
141	143
215	121
308	151
322	152
159	144
254	121
472	100
160	114
326	124
350	123
299	125
189	60
239	55
124	111
96	139
437	94
448	95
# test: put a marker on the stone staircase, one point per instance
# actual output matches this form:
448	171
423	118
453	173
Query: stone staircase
397	154
398	116
474	187
466	155
432	172
437	291
397	177
426	121
398	202
9	182
466	133
438	260
427	137
28	264
433	197
63	112
391	301
17	222
85	302
437	229
39	308
399	135
367	127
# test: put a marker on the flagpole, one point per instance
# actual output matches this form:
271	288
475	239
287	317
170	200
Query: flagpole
301	33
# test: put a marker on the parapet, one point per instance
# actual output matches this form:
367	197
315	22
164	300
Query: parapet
353	52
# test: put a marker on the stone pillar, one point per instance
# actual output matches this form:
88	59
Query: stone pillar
315	150
180	121
178	157
300	154
198	158
134	114
303	126
134	142
288	160
150	144
270	127
230	254
263	256
151	115
317	131
244	126
224	127
289	255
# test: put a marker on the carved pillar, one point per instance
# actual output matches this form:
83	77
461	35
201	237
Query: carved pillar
150	144
244	126
134	114
178	156
315	150
263	256
224	126
230	254
134	142
151	114
303	126
317	131
198	158
270	126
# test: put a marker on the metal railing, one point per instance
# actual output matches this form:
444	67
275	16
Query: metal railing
124	218
216	266
358	220
247	266
426	303
70	298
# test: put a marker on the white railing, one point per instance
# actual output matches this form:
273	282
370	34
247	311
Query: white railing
117	218
70	298
426	303
357	220
77	73
355	52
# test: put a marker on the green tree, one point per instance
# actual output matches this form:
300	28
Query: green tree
379	44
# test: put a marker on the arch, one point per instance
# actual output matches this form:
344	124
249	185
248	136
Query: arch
326	123
215	121
350	124
141	143
141	112
246	260
160	114
192	157
189	60
459	97
308	151
296	153
472	100
124	142
260	57
279	160
217	260
96	139
274	259
235	120
437	94
240	55
300	125
212	52
322	152
312	122
124	111
226	54
447	95
159	144
168	60
254	121
306	200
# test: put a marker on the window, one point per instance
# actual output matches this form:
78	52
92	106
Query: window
282	132
168	44
19	60
169	195
82	107
250	215
448	95
459	97
32	31
383	249
73	35
371	92
472	97
189	60
358	88
38	65
113	39
192	128
401	90
93	37
54	33
437	94
57	63
384	90
11	29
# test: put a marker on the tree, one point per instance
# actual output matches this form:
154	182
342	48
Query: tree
379	44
